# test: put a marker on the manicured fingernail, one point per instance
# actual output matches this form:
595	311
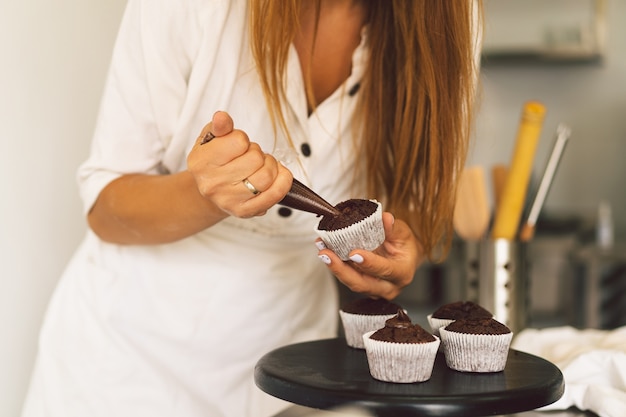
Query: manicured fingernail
320	245
357	258
325	259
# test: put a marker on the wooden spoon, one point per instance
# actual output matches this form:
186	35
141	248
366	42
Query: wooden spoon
471	212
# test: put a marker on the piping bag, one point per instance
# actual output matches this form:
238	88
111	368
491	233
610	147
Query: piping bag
301	197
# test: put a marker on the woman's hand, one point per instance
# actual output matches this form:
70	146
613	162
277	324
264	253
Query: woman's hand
152	209
385	271
221	166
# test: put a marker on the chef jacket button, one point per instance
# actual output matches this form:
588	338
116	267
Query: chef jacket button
305	148
355	89
284	212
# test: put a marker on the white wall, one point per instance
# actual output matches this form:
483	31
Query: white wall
52	68
591	99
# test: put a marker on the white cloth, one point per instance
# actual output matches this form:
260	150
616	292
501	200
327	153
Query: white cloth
176	329
593	363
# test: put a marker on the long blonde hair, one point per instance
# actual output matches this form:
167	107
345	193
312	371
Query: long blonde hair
415	105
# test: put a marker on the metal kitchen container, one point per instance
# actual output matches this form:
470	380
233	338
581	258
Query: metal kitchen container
497	279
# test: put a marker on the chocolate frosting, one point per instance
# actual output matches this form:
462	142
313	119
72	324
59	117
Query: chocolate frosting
350	212
399	329
399	321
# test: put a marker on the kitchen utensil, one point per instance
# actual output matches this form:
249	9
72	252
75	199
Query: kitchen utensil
301	197
503	281
562	136
471	211
511	205
498	178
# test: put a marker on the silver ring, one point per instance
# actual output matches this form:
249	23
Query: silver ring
250	187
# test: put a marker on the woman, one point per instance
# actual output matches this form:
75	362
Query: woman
191	270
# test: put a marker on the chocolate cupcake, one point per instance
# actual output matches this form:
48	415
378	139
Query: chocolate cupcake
358	226
401	351
450	312
476	345
363	315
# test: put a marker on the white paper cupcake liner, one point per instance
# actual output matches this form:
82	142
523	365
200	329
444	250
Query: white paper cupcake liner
356	325
475	352
437	323
400	362
367	234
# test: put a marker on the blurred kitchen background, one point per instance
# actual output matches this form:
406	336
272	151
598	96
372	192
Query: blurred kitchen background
571	56
568	54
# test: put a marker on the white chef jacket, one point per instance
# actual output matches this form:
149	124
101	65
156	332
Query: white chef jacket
176	329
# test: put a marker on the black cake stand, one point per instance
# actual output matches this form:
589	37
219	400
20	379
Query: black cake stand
326	374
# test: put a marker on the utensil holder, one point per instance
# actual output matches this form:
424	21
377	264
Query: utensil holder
497	279
472	270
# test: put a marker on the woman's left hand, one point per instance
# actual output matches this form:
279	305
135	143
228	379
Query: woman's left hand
385	271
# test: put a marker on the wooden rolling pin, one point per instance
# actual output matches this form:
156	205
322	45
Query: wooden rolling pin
514	193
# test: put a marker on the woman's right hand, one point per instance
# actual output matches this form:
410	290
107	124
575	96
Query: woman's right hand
221	166
152	209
